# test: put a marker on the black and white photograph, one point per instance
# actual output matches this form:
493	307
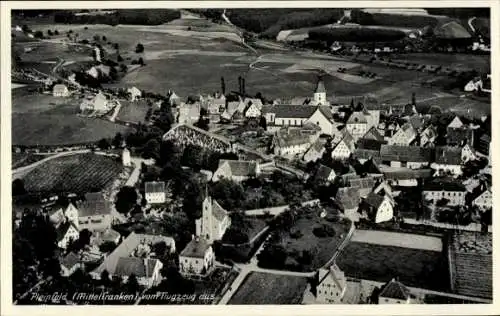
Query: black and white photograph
250	156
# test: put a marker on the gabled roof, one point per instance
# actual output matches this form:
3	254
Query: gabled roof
196	248
154	187
444	185
456	123
335	274
293	111
416	121
347	198
323	173
240	167
318	146
370	144
374	200
429	132
373	134
362	183
406	153
60	87
70	260
290	137
362	153
62	229
254	101
396	290
140	267
448	155
94	205
407	174
217	211
357	118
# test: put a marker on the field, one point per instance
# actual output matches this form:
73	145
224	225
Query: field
24	159
272	289
414	267
54	121
481	63
411	241
76	173
472	262
133	111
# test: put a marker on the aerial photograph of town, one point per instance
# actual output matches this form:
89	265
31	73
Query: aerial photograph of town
251	156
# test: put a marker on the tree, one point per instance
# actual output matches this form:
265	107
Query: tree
104	38
84	237
49	32
116	46
56	32
139	48
18	187
263	122
132	284
151	149
141	61
105	278
123	68
117	140
107	247
119	58
104	144
38	34
126	199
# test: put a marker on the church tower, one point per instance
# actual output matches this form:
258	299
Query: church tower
320	93
204	224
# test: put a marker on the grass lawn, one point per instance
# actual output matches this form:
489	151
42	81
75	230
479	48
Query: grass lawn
266	288
414	267
133	111
54	121
77	173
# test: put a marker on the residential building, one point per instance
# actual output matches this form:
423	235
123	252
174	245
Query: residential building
373	134
70	263
405	177
448	160
373	118
252	110
134	93
60	90
174	99
457	133
412	157
363	185
453	191
428	136
65	233
292	142
230	110
236	170
394	292
94	213
482	197
297	116
324	175
332	285
344	148
99	103
138	247
348	199
155	192
483	145
357	125
214	221
197	258
468	154
126	161
377	208
404	136
189	113
315	152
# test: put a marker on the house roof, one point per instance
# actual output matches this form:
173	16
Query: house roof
407	174
293	111
373	134
196	248
323	173
336	274
62	229
371	166
290	137
366	153
318	146
254	101
60	87
154	187
374	200
217	211
347	198
94	205
429	132
370	144
362	183
320	87
406	153
240	168
448	155
140	267
416	121
128	246
456	123
357	118
396	290
191	110
70	260
444	185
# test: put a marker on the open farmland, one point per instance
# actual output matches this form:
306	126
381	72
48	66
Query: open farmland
272	289
54	121
76	173
472	264
414	267
385	238
133	111
25	159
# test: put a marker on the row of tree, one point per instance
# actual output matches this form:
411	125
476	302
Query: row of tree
120	16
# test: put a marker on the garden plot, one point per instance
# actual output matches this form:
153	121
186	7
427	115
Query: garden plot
398	239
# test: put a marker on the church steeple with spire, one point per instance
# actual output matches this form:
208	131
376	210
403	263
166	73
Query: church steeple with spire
320	93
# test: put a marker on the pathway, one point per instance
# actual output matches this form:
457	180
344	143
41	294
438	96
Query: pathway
22	171
470	24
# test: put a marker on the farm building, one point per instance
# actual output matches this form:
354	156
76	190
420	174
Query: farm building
134	93
448	160
214	221
236	170
94	213
413	157
332	285
452	191
377	208
154	192
60	90
197	258
132	256
394	292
